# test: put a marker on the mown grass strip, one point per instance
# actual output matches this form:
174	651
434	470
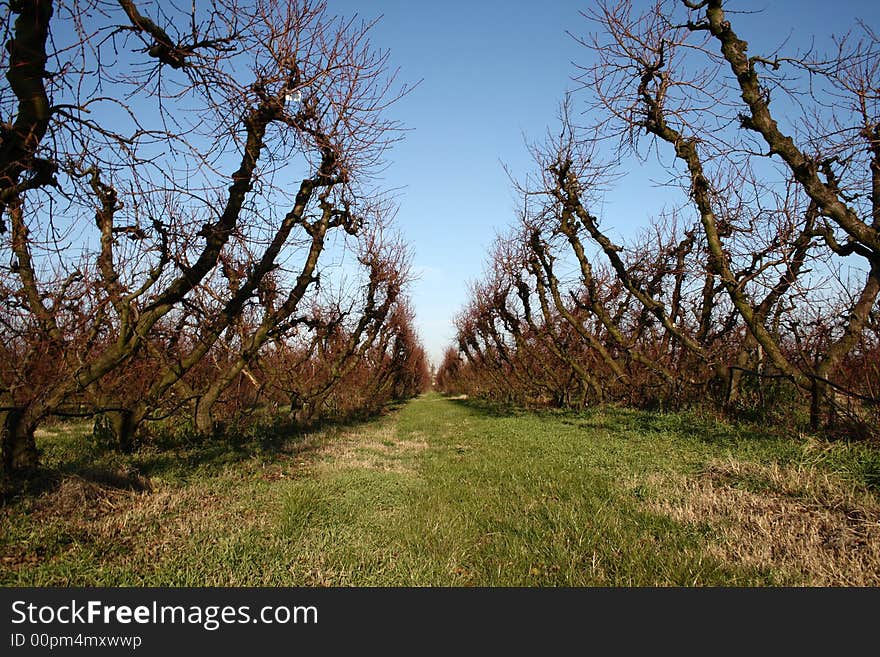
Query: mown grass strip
451	492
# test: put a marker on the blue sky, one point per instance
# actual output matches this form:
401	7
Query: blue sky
493	72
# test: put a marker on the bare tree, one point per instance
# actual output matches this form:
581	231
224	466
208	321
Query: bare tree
768	269
119	156
649	78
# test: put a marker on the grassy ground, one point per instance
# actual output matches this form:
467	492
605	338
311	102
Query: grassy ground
451	492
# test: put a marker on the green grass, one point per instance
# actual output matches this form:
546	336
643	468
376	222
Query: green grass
452	492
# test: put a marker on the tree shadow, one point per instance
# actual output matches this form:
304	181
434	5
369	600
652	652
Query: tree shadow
488	408
271	439
175	453
46	480
693	424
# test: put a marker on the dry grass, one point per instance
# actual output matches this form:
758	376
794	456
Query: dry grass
96	514
803	523
143	525
446	493
378	449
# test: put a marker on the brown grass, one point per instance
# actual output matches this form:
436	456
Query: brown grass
103	515
808	526
138	523
373	450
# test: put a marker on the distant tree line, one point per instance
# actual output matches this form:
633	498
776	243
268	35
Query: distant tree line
756	293
189	222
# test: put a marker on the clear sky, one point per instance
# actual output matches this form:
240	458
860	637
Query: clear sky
493	72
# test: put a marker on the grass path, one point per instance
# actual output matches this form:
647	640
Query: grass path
449	492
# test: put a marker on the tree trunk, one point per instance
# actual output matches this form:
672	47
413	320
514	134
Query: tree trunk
734	386
204	419
817	404
117	428
17	438
301	412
